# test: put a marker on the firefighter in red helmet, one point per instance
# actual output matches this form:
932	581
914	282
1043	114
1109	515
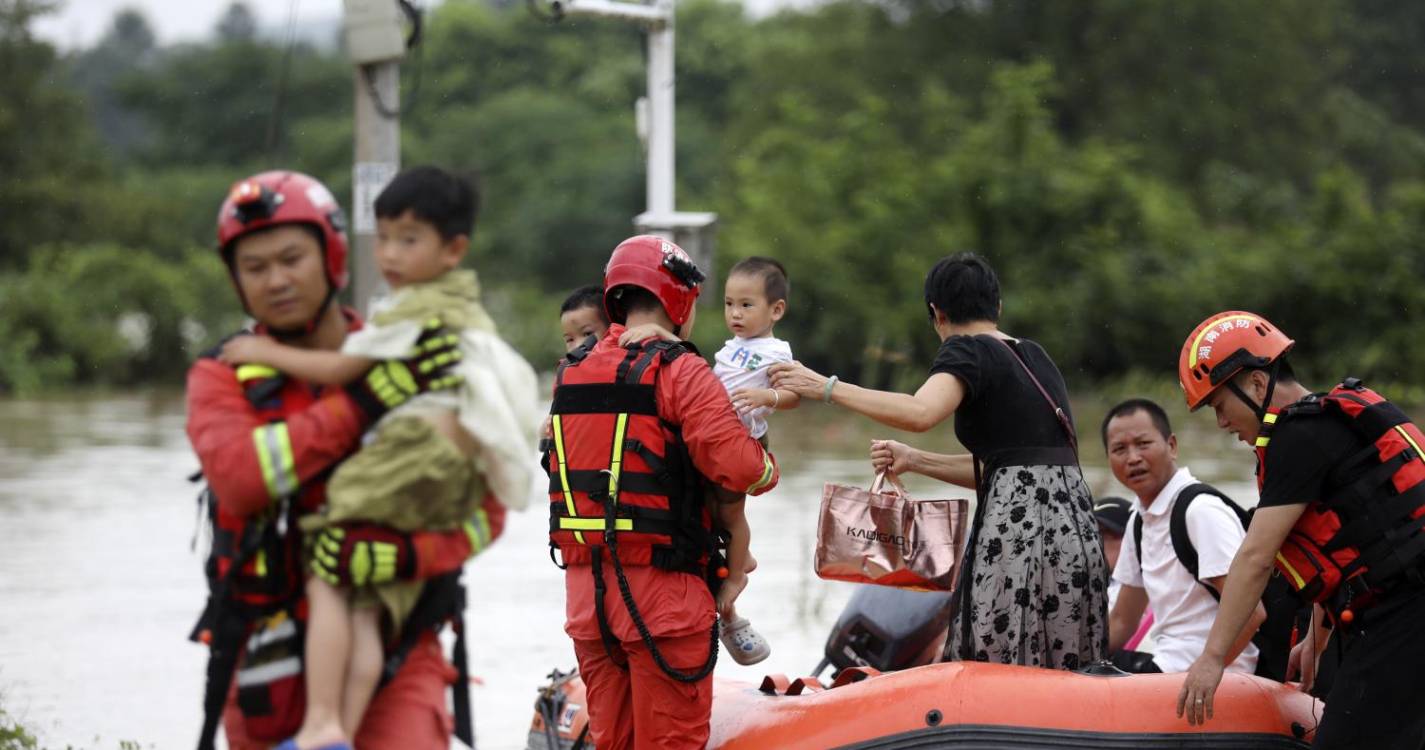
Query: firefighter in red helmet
639	434
1342	482
266	443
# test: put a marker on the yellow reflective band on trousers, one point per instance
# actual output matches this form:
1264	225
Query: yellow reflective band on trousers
1295	576
274	455
766	477
254	372
594	524
564	473
477	530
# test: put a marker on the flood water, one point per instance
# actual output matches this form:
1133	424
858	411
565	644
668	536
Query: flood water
99	587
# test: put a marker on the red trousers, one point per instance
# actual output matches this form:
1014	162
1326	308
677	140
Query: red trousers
409	712
643	707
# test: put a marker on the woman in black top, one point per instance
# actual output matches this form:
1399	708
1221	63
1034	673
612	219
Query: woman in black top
1034	586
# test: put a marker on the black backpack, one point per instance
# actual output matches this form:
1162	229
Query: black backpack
1284	609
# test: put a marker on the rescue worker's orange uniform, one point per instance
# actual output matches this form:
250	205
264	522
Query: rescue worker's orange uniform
633	701
676	606
267	443
319	429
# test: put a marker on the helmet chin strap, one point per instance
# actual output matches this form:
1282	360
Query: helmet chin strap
1259	409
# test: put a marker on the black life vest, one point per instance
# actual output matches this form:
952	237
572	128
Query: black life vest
1365	536
616	468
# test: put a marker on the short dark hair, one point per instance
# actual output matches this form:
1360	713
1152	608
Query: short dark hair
1133	406
443	200
586	296
774	276
964	287
627	299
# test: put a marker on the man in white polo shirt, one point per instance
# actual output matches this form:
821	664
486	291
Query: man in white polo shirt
1142	452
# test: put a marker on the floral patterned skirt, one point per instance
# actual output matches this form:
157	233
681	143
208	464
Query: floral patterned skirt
1035	588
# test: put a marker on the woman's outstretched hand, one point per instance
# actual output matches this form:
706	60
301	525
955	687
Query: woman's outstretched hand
799	379
892	456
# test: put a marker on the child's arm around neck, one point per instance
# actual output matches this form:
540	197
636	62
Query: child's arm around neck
312	365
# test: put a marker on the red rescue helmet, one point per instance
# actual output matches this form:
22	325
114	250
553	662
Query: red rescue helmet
1224	345
274	198
657	265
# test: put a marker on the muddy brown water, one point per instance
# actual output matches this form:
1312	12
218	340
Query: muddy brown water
99	586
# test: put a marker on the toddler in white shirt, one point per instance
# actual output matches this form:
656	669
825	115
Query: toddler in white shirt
754	299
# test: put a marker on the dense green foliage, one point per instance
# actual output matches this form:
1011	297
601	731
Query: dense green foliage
1128	166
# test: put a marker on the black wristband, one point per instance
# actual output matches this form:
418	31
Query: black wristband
366	401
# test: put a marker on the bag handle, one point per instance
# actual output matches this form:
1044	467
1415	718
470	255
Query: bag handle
1058	410
896	488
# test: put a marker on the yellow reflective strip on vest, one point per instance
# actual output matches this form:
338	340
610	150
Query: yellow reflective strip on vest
616	460
558	426
766	477
1270	418
1263	441
594	524
1295	576
259	564
274	455
1401	429
253	372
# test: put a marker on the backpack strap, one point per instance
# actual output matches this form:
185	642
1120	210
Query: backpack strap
1138	540
1178	531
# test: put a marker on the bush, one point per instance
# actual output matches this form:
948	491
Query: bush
109	315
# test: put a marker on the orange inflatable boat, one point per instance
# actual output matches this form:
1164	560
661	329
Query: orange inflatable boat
956	704
973	705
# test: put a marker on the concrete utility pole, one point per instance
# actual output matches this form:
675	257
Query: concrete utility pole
375	42
692	231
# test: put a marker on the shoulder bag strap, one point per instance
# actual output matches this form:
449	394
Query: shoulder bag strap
1058	410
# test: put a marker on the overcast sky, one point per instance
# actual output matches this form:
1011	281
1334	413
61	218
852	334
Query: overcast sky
78	23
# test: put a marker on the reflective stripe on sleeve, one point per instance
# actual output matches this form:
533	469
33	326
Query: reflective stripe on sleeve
477	530
274	454
766	477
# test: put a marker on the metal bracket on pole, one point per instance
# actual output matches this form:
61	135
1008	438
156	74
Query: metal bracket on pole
373	31
660	14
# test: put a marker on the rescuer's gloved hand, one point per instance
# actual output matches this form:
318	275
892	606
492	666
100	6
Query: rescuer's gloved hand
362	555
393	382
